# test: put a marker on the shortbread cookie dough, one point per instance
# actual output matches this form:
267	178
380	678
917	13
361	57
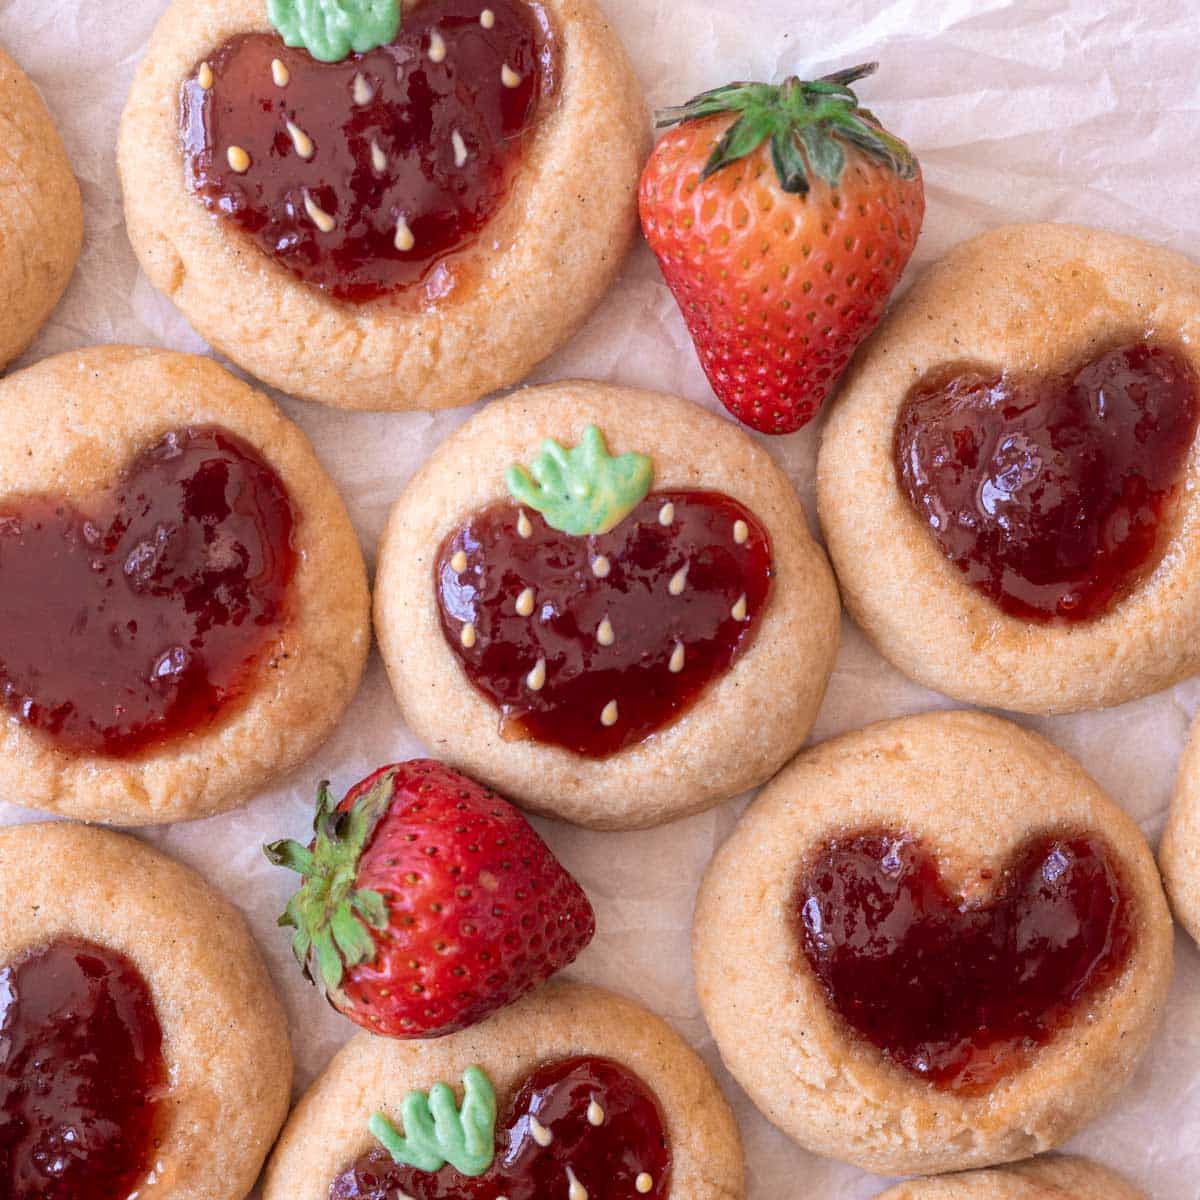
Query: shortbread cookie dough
117	961
621	679
482	316
666	1134
183	603
41	229
1179	854
927	811
1044	304
1055	1177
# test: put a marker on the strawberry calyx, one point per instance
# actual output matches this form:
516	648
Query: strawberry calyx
333	918
809	123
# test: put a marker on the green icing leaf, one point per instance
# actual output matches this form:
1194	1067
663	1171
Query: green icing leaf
330	29
583	490
437	1132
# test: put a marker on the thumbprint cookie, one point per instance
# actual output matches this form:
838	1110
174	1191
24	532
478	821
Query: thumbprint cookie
931	945
183	603
605	604
574	1093
1054	1177
42	221
1179	854
1008	482
143	1051
384	206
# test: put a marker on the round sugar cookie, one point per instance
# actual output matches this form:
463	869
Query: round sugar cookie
131	991
931	945
620	678
409	228
41	230
1008	481
589	1094
183	602
1055	1177
1179	853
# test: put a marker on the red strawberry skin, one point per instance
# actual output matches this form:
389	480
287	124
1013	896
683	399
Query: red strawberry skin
777	289
479	910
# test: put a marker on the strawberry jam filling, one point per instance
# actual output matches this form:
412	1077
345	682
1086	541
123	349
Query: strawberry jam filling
961	991
1053	495
141	615
81	1075
361	177
594	643
606	1133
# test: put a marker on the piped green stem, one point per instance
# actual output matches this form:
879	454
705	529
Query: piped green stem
330	29
436	1132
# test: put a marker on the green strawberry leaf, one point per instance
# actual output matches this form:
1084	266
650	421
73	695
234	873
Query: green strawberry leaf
333	918
583	490
436	1132
810	125
330	29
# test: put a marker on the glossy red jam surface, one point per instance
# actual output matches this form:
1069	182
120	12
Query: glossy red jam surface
606	1158
388	135
664	649
1051	494
81	1075
961	992
140	616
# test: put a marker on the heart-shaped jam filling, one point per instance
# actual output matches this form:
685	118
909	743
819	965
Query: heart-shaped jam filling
1051	494
962	991
361	176
595	642
82	1075
579	1129
141	615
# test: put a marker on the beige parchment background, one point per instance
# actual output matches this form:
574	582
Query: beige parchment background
1079	110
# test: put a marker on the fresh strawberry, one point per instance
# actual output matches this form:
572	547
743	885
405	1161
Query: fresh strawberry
783	217
428	902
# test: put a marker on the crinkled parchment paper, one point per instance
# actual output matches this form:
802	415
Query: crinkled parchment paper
1071	110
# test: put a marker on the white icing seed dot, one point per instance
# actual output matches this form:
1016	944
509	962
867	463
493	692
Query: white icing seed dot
677	659
605	634
644	1183
238	159
460	149
524	528
575	1189
536	679
378	158
280	73
601	566
525	603
458	563
509	77
204	77
404	240
319	217
679	580
364	93
666	514
741	531
595	1114
487	18
609	714
301	140
541	1134
739	609
467	636
437	47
